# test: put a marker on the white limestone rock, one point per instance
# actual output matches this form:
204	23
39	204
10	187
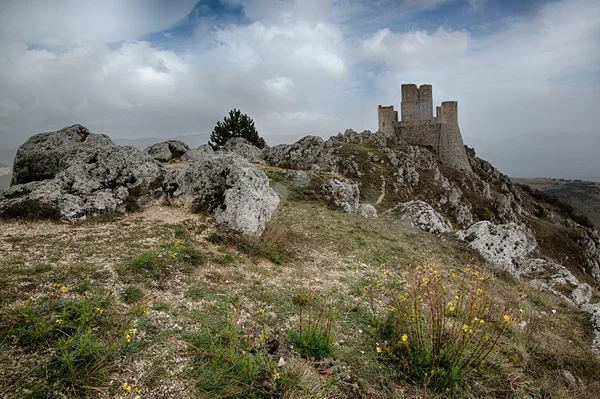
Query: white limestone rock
342	194
167	150
367	211
422	215
243	148
233	190
102	178
504	246
196	154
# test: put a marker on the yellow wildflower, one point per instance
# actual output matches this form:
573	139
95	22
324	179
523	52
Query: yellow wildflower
132	331
456	297
386	273
145	312
31	298
59	321
126	387
470	331
276	376
452	308
63	289
482	322
479	291
506	318
378	350
392	309
520	310
465	327
128	338
404	338
56	285
99	310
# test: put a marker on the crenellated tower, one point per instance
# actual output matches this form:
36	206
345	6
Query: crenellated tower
419	126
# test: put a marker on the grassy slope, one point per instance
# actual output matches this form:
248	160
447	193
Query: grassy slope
330	252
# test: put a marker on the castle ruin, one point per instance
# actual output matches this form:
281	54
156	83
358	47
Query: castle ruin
419	126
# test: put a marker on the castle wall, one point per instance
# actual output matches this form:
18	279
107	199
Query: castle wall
420	132
451	148
388	119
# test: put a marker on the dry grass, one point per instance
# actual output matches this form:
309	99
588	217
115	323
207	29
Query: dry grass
330	251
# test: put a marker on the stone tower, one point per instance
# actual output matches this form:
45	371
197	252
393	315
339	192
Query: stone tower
419	126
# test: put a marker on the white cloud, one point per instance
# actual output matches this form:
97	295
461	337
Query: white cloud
414	49
298	68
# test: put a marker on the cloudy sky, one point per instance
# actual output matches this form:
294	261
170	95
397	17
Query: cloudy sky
162	68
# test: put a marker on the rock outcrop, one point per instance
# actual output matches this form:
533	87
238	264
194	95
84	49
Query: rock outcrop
344	195
167	150
234	191
44	155
504	247
74	174
243	148
196	154
307	153
420	214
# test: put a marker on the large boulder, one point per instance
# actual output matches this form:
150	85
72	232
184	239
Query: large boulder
243	148
44	155
342	194
504	247
98	180
228	186
422	215
167	150
307	153
196	154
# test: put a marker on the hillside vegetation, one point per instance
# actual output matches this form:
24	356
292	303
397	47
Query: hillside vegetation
165	302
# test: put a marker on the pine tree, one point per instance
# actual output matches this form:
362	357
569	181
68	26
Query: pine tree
236	125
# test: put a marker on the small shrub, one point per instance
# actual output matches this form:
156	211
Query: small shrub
82	287
224	367
155	262
439	333
217	238
132	294
314	336
81	364
273	244
196	292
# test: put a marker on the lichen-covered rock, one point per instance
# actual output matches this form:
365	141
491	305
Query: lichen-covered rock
367	211
303	154
350	168
342	194
106	180
167	150
590	244
297	176
504	246
243	148
232	189
504	209
44	155
196	154
422	215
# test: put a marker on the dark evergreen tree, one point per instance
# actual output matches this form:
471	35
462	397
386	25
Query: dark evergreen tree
235	125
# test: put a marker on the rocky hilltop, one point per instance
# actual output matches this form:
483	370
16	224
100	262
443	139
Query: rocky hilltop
361	184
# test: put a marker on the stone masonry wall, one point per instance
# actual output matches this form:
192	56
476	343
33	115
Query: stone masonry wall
388	119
